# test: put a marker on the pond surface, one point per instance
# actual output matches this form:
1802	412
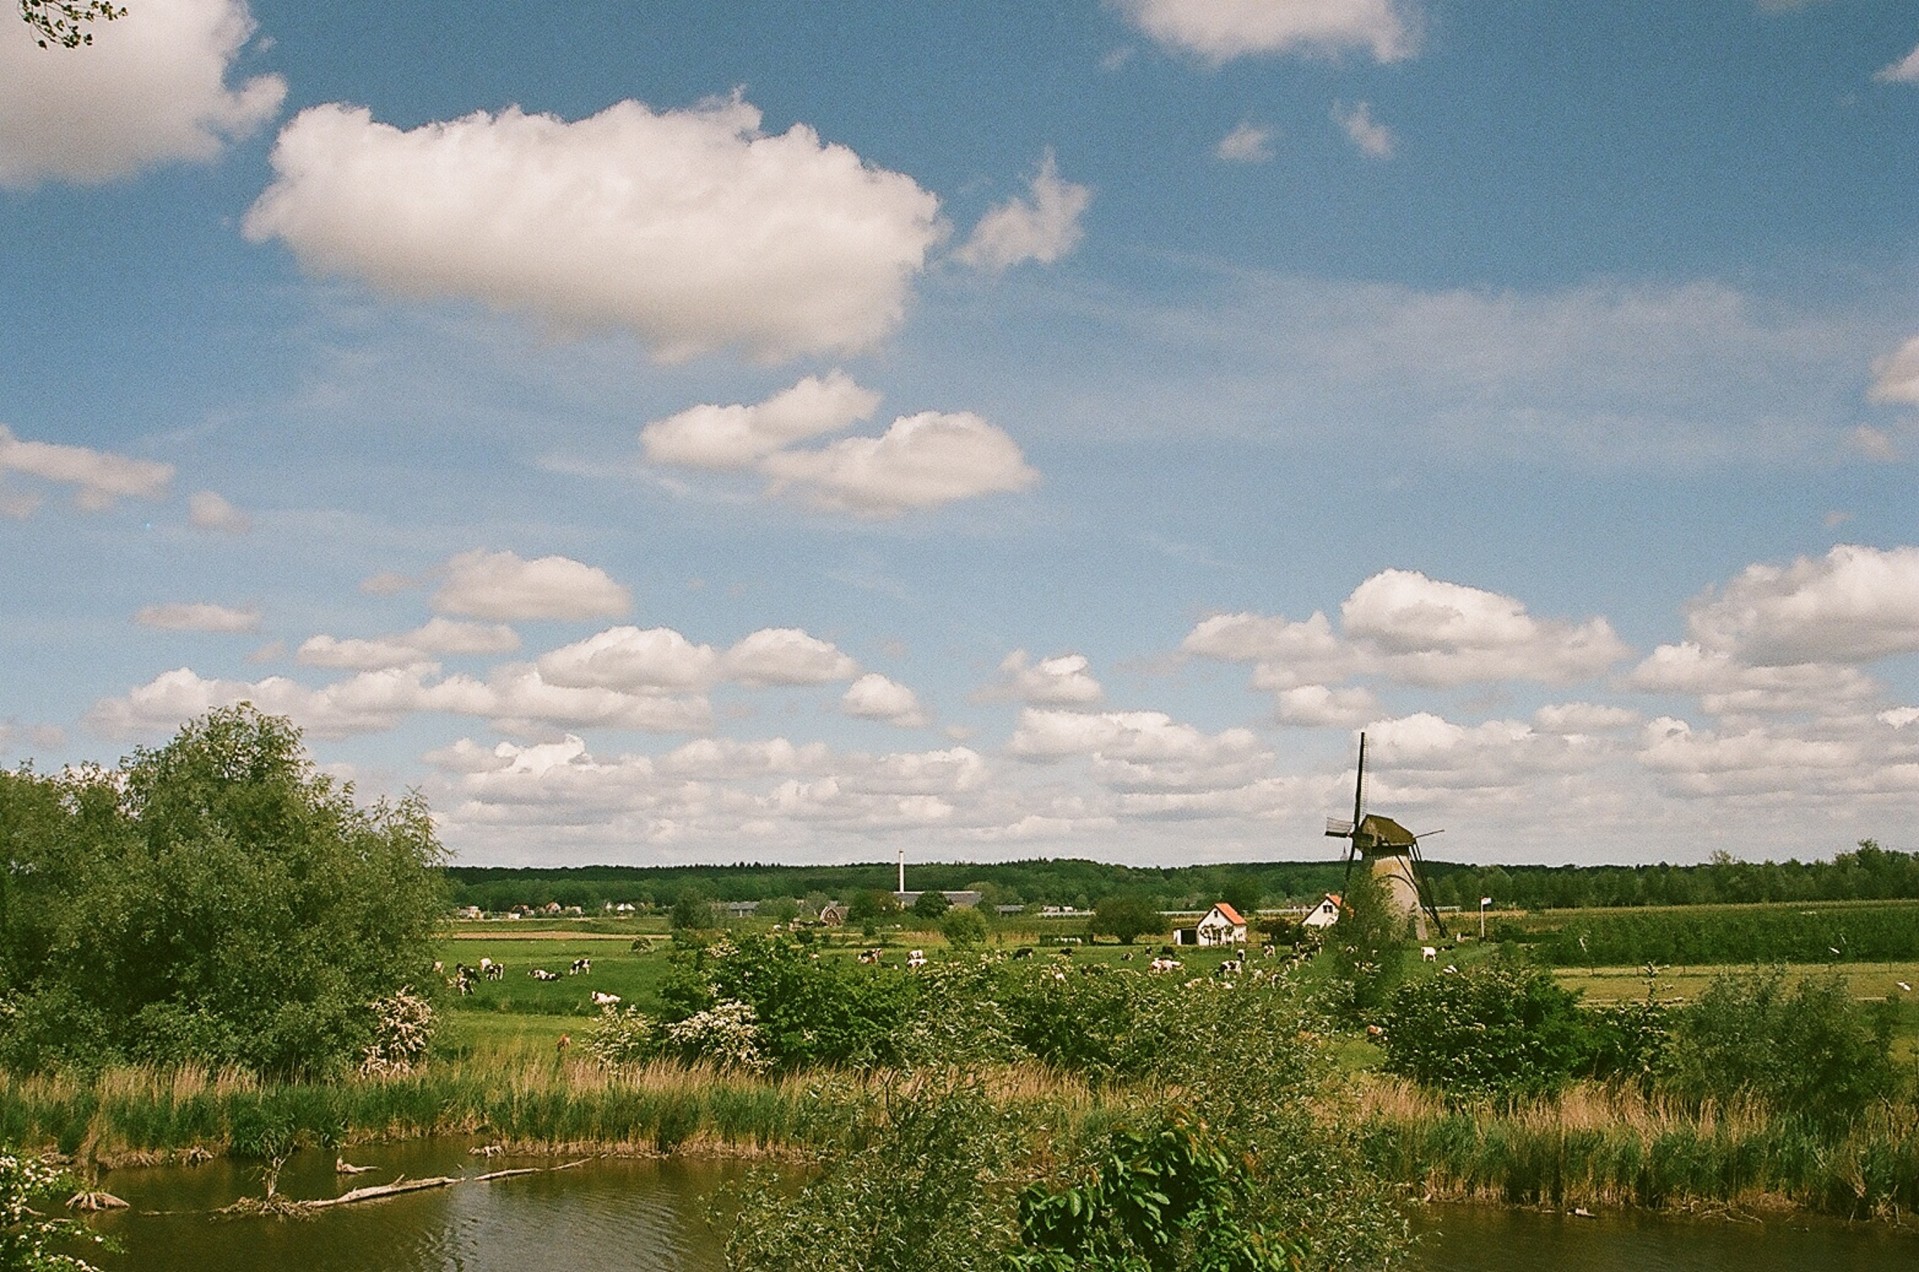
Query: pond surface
652	1216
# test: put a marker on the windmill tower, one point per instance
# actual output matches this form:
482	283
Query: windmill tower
1390	851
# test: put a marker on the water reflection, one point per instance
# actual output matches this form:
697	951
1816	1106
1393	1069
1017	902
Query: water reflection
651	1216
605	1216
1489	1239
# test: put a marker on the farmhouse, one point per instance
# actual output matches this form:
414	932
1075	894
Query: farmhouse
1222	925
1323	915
833	914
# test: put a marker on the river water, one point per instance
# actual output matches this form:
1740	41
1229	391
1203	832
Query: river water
653	1216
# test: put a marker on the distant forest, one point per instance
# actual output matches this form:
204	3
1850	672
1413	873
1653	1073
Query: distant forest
1867	873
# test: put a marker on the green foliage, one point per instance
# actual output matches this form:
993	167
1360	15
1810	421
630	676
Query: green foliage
216	900
915	1186
1161	1199
1886	933
29	1241
64	22
1365	950
931	904
1501	1028
1126	918
692	912
1627	1041
623	1038
808	1010
871	904
1807	1048
964	928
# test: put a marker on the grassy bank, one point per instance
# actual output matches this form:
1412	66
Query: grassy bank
1597	1147
1610	1147
131	1115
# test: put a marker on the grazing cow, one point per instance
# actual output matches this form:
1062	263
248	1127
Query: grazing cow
1127	957
463	979
496	972
541	974
1024	951
916	959
1429	953
1231	967
605	1000
1375	1032
1268	951
870	957
1163	964
486	965
1063	953
566	1040
439	968
581	967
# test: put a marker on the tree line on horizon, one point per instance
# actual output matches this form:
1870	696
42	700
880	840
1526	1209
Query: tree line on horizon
1866	873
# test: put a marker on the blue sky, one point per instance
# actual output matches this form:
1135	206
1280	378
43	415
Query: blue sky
683	432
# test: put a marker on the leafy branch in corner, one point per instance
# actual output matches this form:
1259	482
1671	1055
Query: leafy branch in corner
63	22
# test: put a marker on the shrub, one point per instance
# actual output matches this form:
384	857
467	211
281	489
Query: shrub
930	904
726	1034
1502	1028
964	928
1807	1049
217	900
29	1241
1364	951
1126	918
912	1187
402	1027
623	1038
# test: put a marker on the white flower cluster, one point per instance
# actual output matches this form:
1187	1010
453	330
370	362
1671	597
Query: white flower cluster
403	1025
727	1034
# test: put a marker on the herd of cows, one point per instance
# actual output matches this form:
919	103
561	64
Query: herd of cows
464	977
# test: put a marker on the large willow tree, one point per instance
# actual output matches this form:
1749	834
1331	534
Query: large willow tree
217	899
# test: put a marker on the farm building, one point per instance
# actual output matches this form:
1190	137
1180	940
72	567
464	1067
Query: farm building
1323	915
1222	925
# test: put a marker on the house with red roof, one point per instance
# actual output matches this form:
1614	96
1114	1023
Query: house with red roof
1221	926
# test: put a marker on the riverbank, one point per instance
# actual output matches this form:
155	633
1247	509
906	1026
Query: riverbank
1594	1147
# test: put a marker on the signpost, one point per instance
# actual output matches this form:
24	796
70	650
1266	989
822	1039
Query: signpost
1483	903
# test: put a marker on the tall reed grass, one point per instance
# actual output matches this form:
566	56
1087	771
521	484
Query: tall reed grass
146	1114
1614	1146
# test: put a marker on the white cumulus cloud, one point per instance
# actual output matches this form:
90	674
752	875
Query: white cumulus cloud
423	644
876	697
1853	605
1904	71
786	656
1043	228
184	616
922	461
736	437
633	661
208	510
151	89
1064	680
1430	632
1247	143
97	477
502	585
1220	30
1373	138
691	227
1895	377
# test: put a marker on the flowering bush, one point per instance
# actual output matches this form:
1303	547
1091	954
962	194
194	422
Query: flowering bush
622	1038
28	1240
726	1034
402	1027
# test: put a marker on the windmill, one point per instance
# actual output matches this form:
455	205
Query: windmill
1390	851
